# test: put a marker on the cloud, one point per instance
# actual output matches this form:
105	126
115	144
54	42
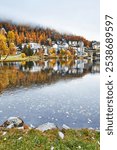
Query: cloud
76	16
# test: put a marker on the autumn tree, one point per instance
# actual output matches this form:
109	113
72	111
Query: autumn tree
3	46
33	36
68	53
62	51
17	39
42	39
72	50
44	36
10	37
12	48
22	37
52	51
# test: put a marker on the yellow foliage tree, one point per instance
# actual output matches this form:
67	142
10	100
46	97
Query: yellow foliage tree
10	37
68	53
17	39
3	46
42	38
52	51
63	51
12	48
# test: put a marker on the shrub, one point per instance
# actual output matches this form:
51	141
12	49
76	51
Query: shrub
23	55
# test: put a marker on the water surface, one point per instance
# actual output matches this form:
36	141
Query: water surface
51	91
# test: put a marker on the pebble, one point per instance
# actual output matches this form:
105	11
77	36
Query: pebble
64	126
61	135
46	126
19	138
52	148
4	133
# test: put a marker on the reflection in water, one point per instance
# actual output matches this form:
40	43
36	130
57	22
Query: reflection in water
63	92
15	74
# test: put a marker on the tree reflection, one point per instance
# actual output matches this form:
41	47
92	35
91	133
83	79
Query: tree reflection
16	74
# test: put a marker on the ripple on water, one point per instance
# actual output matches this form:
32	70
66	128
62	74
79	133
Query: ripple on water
73	102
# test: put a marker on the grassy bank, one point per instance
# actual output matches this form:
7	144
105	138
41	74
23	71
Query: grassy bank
18	58
83	139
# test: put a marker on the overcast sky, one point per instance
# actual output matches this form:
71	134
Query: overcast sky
80	17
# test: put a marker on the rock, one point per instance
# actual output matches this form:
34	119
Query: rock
19	138
64	126
14	122
26	126
32	126
20	128
52	148
46	126
10	126
61	135
4	133
79	147
98	142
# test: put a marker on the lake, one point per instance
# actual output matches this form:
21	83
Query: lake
58	91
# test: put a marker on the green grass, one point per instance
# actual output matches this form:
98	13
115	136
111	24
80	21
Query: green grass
83	139
16	58
13	58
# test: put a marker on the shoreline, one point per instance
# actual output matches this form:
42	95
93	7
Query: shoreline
18	123
46	137
37	58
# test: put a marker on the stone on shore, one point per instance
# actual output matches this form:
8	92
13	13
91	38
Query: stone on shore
14	122
64	126
61	135
46	126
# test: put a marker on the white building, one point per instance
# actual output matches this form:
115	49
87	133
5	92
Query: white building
73	43
96	45
32	45
60	45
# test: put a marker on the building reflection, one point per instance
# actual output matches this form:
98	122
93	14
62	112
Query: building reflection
61	66
15	74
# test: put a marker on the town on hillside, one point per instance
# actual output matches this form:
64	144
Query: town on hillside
23	41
